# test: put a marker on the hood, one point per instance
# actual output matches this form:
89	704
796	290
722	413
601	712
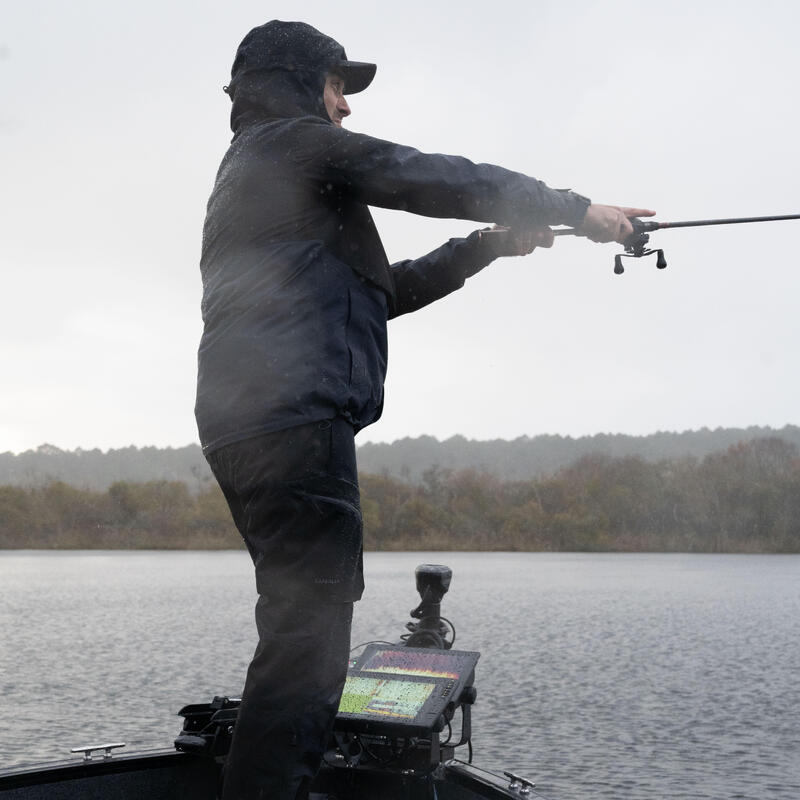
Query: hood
279	72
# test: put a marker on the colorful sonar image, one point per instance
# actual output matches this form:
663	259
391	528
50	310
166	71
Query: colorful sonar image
385	698
426	665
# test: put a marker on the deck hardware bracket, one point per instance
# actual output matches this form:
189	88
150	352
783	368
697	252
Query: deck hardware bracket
89	749
519	785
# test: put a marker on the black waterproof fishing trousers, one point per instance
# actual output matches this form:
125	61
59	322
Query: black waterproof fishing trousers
294	497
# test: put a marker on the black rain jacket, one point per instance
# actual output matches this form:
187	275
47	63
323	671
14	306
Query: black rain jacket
297	288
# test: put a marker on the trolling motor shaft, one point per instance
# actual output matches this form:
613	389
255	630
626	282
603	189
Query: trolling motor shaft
636	245
433	581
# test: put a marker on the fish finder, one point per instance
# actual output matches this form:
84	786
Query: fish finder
404	691
399	698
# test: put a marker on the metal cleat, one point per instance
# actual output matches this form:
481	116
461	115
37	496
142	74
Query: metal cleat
521	786
106	748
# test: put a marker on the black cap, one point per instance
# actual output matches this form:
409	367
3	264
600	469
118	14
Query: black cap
357	75
296	46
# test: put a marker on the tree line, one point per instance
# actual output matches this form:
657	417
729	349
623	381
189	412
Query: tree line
745	499
527	458
520	459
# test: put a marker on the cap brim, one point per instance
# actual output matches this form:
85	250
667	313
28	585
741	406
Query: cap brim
357	75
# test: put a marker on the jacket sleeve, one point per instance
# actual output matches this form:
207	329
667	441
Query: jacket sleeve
381	173
421	281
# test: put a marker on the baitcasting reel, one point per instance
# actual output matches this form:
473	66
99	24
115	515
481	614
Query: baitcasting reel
636	244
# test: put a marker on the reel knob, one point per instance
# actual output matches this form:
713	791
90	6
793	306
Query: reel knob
661	262
618	268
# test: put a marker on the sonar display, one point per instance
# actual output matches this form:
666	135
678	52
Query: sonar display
424	665
403	690
386	698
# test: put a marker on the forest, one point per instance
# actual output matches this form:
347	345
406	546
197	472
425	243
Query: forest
520	459
745	499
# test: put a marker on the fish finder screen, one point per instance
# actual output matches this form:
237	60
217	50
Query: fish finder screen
385	698
430	665
403	690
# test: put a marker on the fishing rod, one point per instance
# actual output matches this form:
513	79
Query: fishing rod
636	245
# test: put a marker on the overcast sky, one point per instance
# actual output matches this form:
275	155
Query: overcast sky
113	123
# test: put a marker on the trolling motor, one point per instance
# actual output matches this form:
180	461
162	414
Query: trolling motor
400	701
433	581
636	245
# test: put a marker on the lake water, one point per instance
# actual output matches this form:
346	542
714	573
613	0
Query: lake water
624	676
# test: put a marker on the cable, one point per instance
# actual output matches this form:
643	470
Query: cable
449	735
452	628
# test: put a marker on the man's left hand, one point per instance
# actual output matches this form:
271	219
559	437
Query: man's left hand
503	241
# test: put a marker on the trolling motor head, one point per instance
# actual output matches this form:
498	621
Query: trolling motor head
433	581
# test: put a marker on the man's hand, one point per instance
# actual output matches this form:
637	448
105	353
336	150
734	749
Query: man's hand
610	223
507	242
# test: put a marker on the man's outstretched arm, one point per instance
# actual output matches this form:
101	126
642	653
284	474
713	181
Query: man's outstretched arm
421	281
424	280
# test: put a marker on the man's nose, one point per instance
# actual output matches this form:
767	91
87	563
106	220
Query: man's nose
342	107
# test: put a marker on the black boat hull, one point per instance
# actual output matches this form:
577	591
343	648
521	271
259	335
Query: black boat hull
173	775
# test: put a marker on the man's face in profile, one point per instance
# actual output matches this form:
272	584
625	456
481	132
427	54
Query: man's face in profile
334	99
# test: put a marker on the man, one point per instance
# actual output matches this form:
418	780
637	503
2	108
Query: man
297	292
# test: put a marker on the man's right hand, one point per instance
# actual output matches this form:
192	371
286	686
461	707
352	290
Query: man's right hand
610	223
